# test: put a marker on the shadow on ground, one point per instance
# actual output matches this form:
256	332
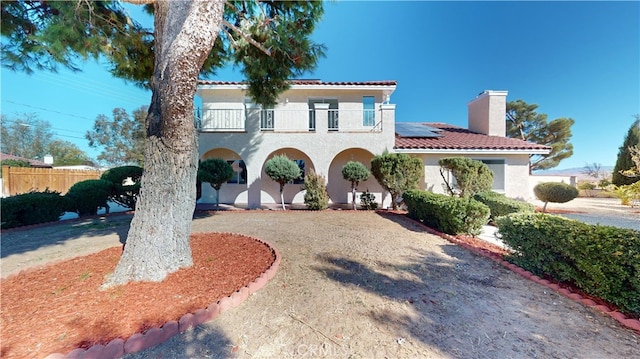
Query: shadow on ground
20	240
194	343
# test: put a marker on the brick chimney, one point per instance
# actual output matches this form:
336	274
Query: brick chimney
487	113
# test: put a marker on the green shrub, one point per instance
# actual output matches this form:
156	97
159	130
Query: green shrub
355	172
15	163
397	173
472	176
556	192
603	261
87	196
123	194
501	205
368	200
447	214
316	197
627	193
216	172
282	170
32	208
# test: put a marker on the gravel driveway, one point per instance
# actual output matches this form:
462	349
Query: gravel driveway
362	285
603	211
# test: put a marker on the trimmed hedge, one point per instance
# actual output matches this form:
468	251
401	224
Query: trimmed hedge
124	195
501	205
89	195
452	215
32	208
603	261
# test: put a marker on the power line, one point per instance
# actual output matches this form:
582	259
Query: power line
46	109
53	128
76	82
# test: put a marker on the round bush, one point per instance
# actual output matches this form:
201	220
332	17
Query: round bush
87	196
556	192
126	184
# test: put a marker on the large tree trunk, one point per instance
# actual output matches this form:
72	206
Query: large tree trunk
158	240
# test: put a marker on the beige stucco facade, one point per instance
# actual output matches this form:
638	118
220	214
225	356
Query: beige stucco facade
336	137
322	126
511	170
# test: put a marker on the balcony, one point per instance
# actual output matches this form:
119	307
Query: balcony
288	120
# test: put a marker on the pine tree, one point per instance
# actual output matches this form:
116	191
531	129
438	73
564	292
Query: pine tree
523	122
624	161
269	41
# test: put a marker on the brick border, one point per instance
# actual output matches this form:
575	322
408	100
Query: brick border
156	335
630	323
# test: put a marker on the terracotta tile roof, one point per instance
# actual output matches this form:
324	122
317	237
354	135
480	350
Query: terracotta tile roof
310	82
33	163
458	138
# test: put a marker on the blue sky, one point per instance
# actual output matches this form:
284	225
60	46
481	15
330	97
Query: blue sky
574	59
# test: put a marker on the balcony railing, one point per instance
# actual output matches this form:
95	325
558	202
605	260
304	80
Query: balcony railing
286	120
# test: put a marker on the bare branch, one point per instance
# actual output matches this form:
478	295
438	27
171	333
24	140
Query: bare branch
247	37
233	41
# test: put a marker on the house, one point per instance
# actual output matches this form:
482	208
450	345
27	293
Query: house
33	163
484	140
323	125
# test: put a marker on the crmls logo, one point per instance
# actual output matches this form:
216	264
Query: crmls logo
323	350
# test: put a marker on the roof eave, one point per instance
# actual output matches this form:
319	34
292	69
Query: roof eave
471	151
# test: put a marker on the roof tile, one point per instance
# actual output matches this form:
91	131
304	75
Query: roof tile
309	82
458	138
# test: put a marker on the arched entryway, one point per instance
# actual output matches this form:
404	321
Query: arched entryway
235	190
293	192
339	189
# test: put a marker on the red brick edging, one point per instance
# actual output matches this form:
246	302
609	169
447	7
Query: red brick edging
154	336
631	323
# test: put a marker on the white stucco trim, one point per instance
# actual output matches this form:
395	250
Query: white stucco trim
470	151
387	88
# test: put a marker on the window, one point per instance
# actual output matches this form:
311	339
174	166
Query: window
239	172
299	180
368	111
498	169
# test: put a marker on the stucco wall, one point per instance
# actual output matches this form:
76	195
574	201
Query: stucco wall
323	151
516	173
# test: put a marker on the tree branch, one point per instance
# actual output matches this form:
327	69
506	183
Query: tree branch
247	37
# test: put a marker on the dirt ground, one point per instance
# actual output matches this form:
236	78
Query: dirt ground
360	285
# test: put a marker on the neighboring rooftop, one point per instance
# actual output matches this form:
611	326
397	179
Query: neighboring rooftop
452	137
33	163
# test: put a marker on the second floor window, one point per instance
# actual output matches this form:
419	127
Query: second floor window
368	111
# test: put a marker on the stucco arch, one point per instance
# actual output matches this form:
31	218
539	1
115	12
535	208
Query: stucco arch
339	189
293	193
230	193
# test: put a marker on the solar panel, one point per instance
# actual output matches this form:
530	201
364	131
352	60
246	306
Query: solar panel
414	129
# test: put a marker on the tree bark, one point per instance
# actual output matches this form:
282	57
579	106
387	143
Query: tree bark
353	196
158	239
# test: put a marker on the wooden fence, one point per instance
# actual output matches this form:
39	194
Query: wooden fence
16	180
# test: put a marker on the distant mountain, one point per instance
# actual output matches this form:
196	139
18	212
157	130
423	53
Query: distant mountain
576	171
